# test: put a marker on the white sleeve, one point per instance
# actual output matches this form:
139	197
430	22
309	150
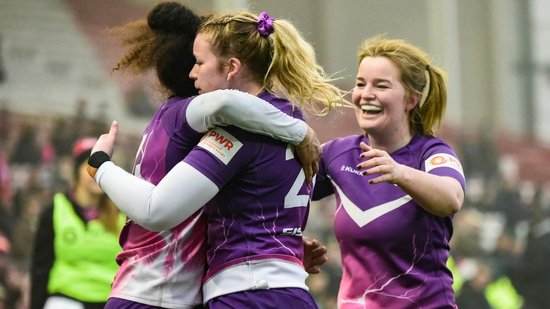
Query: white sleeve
243	110
182	192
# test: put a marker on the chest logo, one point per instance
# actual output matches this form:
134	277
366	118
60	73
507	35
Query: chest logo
363	217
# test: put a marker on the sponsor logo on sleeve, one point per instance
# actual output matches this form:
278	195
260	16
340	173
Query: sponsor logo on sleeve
443	160
221	144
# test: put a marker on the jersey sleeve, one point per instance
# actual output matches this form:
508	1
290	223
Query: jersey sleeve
181	193
440	159
184	190
222	154
323	186
243	110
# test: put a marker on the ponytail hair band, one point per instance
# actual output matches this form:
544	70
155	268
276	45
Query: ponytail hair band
426	87
265	24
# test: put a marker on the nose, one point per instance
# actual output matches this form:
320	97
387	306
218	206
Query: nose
193	73
367	93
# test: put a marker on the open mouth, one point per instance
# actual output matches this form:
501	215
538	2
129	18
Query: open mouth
371	109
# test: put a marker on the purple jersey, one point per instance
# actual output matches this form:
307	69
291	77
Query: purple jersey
394	253
255	222
163	269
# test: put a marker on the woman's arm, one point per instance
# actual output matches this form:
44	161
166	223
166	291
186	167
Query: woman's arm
248	112
439	195
181	193
243	110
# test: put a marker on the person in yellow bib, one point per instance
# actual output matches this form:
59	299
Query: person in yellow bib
76	242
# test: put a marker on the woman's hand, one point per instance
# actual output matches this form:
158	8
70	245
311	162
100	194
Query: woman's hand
315	255
106	142
378	161
309	153
102	150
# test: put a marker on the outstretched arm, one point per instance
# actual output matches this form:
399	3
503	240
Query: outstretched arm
439	195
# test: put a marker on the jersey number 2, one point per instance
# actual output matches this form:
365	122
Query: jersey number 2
293	198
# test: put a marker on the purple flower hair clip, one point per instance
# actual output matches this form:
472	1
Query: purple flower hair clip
265	24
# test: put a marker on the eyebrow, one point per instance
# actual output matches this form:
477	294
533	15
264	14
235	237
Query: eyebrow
376	80
381	80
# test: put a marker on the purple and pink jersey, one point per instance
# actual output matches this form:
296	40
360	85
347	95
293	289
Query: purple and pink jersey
166	268
255	222
394	253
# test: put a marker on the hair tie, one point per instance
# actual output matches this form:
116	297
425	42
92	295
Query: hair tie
426	87
265	24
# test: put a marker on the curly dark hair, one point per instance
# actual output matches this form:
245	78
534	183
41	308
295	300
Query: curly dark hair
164	42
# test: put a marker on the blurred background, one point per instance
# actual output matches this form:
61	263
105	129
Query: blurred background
57	84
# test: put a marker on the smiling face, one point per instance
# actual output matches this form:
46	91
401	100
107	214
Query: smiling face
208	73
381	98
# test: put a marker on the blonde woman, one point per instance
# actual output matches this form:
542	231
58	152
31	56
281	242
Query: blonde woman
397	186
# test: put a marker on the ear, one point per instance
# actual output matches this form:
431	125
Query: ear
235	67
412	101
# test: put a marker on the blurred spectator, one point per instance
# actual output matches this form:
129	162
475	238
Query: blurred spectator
138	102
5	122
27	151
531	273
24	229
509	204
472	291
10	293
5	185
73	257
478	153
62	139
482	288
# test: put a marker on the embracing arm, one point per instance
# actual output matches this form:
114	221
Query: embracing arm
243	110
248	112
182	192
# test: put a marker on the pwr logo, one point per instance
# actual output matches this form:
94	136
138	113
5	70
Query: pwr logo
221	144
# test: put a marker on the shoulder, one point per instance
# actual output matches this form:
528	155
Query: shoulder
343	144
429	145
282	104
342	147
175	100
435	154
173	112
